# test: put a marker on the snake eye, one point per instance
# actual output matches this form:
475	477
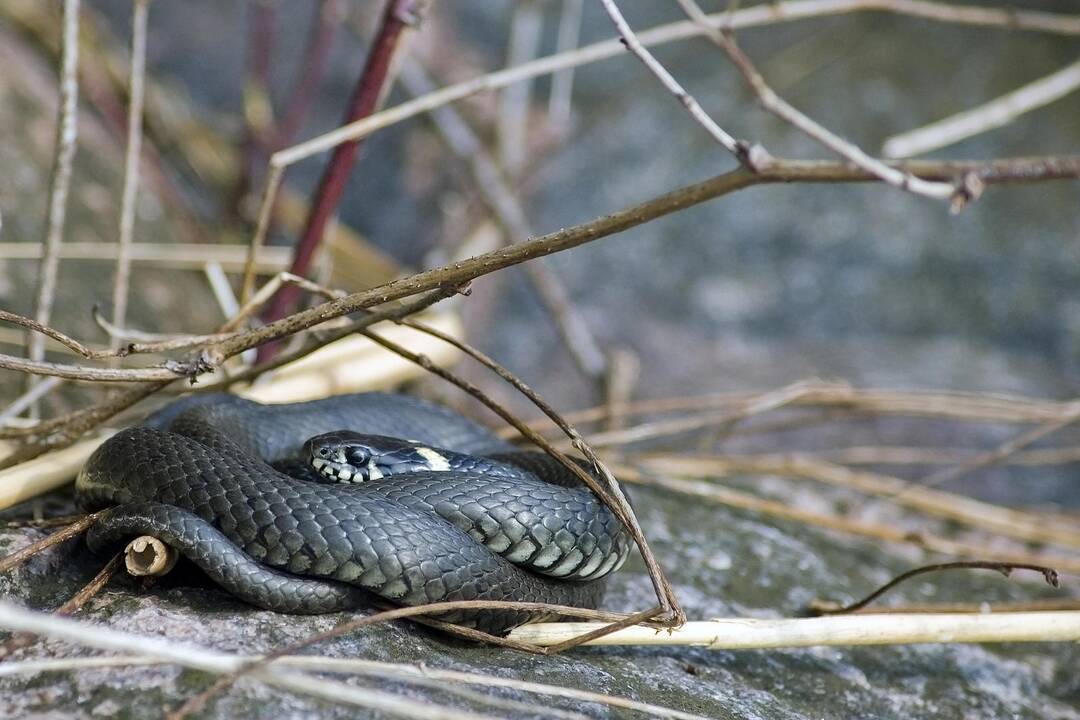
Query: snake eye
358	455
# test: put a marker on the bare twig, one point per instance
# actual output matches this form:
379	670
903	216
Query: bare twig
67	133
825	606
780	171
20	556
562	83
958	195
634	45
139	17
458	274
94	374
994	114
762	14
262	226
83	596
1005	569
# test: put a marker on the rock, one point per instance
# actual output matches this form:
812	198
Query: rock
750	291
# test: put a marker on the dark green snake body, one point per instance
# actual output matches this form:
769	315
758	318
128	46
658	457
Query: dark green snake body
198	475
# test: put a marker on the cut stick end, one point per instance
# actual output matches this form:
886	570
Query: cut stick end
146	556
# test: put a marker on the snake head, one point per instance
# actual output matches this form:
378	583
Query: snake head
350	457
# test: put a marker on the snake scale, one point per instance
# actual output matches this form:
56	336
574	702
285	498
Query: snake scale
207	475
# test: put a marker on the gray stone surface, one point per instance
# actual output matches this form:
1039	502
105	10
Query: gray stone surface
751	291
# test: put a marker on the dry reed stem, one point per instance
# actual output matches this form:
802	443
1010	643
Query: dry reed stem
841	630
181	256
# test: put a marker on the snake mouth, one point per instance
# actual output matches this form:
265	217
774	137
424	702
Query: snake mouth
339	472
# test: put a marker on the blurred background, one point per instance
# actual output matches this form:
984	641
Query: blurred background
858	284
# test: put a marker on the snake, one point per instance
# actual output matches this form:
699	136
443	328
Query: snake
329	505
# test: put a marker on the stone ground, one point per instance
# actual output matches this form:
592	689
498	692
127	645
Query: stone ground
749	292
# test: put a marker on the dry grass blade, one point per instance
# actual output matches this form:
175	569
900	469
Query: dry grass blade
1012	523
887	533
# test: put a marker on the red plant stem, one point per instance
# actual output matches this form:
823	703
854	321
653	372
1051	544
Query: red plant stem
365	97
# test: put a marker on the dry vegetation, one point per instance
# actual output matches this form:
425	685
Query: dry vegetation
43	451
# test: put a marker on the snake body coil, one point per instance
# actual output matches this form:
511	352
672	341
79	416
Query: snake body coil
198	475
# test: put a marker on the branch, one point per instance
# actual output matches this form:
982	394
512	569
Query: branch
461	273
958	195
634	45
759	15
994	114
777	171
67	133
131	161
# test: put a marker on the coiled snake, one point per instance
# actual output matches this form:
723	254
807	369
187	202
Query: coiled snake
468	519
